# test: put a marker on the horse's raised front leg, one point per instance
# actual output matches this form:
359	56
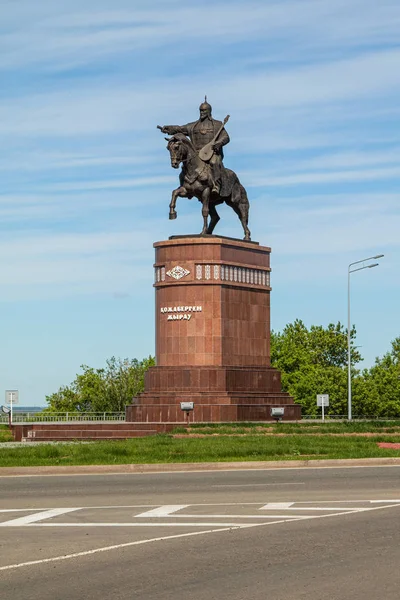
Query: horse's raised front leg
179	192
205	211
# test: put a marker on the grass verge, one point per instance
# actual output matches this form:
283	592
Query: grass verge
169	449
5	434
304	427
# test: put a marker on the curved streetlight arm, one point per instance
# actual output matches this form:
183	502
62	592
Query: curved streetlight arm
366	267
357	262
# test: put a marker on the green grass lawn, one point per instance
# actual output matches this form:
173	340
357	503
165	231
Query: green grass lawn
302	427
223	448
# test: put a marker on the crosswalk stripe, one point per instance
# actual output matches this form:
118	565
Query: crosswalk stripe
162	511
277	506
40	516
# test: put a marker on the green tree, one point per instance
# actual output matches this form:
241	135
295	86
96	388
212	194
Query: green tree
107	389
314	361
382	384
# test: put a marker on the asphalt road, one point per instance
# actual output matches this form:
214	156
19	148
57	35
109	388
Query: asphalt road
281	534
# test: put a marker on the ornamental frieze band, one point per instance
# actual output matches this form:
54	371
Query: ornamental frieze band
231	273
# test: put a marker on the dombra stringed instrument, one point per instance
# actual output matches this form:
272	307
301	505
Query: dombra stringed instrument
207	151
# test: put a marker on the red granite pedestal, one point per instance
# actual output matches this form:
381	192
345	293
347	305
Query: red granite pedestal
212	335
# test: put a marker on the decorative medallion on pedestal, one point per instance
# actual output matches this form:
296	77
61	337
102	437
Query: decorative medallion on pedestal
178	272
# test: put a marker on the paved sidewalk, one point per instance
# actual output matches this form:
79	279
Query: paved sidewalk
182	467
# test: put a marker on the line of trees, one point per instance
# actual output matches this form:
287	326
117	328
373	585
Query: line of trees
312	361
108	389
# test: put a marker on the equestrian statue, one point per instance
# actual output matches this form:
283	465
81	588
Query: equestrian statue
198	146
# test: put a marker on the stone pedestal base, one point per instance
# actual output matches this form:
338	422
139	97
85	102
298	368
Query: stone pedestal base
218	394
212	335
208	413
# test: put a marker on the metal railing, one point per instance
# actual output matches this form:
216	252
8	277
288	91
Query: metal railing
75	417
345	418
63	417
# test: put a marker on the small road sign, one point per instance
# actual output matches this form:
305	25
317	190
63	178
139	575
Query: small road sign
11	399
12	396
323	400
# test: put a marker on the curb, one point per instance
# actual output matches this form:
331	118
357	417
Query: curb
196	467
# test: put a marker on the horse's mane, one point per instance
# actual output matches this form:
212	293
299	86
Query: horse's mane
181	137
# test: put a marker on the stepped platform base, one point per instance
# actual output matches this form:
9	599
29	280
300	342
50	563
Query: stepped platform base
209	413
63	432
162	423
219	394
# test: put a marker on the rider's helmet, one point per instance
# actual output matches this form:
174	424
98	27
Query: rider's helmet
205	105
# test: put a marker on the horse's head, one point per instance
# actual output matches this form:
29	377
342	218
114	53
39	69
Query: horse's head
178	146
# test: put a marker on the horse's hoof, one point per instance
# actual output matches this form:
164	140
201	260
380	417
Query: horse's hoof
172	215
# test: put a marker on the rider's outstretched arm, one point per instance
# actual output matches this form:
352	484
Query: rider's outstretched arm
172	129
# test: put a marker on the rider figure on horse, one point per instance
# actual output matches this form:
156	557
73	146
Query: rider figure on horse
201	133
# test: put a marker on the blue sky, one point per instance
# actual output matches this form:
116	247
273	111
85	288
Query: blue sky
312	88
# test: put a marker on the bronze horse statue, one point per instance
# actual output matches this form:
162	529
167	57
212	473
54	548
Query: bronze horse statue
196	181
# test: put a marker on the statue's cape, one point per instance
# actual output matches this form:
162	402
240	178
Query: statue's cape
229	178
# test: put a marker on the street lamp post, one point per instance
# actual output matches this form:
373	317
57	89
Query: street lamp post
349	272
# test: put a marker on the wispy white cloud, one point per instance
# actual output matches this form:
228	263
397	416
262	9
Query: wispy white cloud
62	35
48	265
329	177
329	227
94	109
29	160
113	184
312	103
349	160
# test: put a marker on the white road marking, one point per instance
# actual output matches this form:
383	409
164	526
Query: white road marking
206	504
7	510
277	506
186	516
224	485
163	511
113	506
273	506
118	547
183	535
281	519
162	524
197	520
382	501
29	519
358	501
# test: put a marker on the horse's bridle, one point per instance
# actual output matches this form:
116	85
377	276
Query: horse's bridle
187	161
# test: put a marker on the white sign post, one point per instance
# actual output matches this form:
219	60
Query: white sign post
12	397
323	400
187	407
